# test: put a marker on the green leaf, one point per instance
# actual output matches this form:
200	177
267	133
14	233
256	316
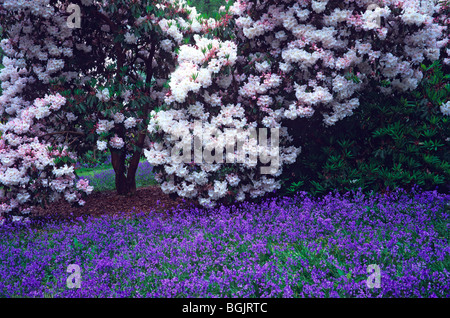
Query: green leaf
349	275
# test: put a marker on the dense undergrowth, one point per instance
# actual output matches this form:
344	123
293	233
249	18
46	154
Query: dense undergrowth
305	245
389	142
101	176
290	247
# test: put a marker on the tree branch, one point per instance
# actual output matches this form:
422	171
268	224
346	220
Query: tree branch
63	133
108	21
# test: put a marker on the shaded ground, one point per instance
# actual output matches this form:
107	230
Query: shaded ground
110	203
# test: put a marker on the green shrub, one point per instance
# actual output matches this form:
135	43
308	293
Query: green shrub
389	142
209	7
95	159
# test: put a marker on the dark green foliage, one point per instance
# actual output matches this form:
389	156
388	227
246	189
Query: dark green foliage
389	142
208	7
95	159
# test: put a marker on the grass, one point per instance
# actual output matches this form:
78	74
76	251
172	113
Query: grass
102	178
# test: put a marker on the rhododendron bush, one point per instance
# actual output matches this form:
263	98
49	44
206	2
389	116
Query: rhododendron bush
290	60
66	89
143	74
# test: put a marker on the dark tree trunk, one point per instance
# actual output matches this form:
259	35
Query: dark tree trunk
125	179
124	184
134	163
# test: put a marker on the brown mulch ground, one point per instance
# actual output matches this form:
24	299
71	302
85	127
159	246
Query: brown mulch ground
110	203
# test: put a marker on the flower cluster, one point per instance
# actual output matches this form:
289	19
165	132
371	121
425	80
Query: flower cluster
200	67
445	108
119	128
212	53
28	164
289	247
290	60
283	61
332	63
35	157
100	107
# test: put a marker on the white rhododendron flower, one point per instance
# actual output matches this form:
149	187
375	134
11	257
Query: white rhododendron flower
130	38
130	122
118	118
84	186
116	142
58	172
445	108
101	145
103	95
71	117
104	126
